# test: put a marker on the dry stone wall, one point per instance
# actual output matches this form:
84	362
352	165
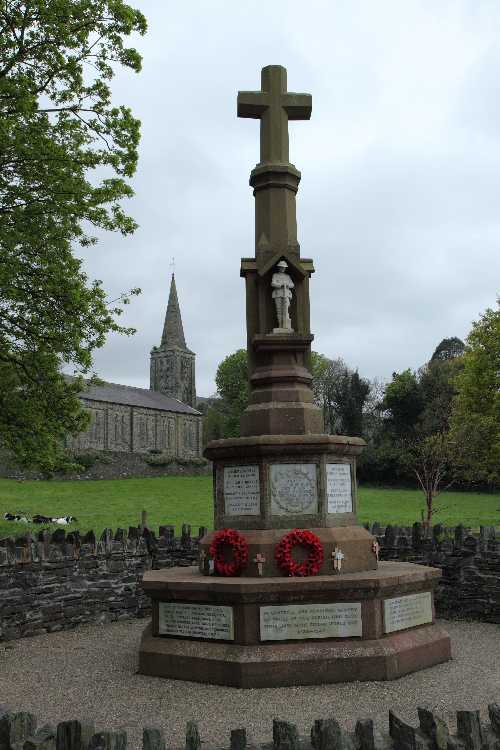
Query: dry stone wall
59	581
470	585
18	731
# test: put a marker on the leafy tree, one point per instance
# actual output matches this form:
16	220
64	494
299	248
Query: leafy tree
431	458
403	401
448	349
437	389
341	393
233	388
476	407
66	156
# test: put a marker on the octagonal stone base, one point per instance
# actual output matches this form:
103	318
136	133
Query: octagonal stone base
249	656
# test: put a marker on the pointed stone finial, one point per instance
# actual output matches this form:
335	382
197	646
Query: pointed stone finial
173	332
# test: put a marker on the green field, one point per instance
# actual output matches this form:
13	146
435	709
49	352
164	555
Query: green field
177	500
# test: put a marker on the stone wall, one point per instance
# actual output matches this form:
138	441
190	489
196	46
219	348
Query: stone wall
18	731
470	586
113	465
59	581
134	429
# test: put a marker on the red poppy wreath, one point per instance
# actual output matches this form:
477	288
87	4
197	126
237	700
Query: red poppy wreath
239	548
303	538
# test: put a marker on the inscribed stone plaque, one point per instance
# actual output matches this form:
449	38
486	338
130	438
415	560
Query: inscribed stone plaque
196	620
241	491
300	621
339	488
407	611
294	489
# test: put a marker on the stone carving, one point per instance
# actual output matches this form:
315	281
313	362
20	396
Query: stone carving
294	489
241	491
301	621
196	621
282	286
407	611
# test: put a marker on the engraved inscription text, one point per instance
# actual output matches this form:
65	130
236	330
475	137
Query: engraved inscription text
339	488
196	620
241	491
407	611
301	621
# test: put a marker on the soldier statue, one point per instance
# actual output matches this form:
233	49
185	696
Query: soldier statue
282	286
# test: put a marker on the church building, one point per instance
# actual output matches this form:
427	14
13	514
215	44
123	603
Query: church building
163	418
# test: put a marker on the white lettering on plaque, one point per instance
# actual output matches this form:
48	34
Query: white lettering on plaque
407	611
294	489
196	620
301	621
241	491
339	488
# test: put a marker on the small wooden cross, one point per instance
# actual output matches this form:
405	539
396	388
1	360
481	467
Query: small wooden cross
376	548
260	559
337	557
203	557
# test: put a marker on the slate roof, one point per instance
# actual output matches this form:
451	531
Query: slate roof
130	396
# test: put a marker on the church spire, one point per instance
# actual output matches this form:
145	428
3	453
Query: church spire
173	332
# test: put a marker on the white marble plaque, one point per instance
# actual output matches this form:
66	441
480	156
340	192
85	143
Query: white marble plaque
339	488
294	489
196	620
301	621
241	491
407	611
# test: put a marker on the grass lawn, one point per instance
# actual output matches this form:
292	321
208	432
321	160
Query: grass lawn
177	500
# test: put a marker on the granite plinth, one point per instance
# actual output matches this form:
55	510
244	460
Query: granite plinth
250	651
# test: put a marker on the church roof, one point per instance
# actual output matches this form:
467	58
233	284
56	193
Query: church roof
173	332
130	396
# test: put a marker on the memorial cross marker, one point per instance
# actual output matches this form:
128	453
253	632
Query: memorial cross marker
337	556
286	493
274	106
260	559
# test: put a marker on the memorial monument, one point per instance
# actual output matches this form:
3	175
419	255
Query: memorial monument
289	589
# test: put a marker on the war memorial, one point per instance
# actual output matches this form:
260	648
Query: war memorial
289	589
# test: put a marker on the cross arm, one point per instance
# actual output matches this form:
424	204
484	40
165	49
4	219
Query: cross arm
297	106
252	104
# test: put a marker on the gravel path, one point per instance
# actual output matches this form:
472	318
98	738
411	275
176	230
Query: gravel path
91	673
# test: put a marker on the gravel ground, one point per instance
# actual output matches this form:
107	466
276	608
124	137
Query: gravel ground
91	673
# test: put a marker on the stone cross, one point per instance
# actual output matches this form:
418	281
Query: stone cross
274	106
376	548
337	557
260	559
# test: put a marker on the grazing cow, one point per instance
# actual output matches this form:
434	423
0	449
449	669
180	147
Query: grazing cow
37	518
17	517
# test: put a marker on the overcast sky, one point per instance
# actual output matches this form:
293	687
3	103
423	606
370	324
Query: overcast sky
399	204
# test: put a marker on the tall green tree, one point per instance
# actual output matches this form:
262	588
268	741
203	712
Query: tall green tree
233	388
403	401
341	393
476	407
66	157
